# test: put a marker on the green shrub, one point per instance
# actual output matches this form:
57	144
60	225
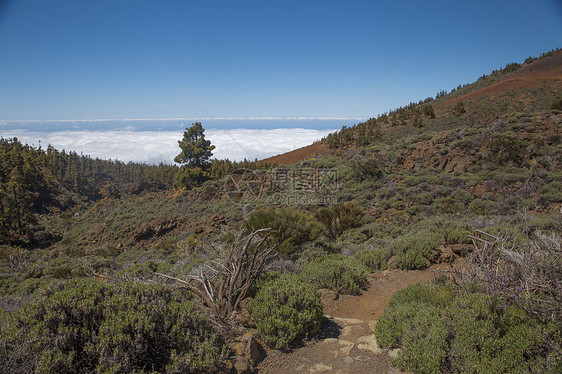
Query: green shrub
317	249
462	196
343	274
423	198
286	310
368	168
263	280
424	342
354	236
458	108
85	326
550	193
338	218
448	205
556	104
413	248
373	259
505	149
412	180
290	227
403	306
440	330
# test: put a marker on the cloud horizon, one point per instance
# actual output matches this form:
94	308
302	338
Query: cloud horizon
268	118
154	147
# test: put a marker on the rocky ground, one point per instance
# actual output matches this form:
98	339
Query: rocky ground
346	342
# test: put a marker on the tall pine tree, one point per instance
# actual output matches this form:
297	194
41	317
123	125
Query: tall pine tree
195	150
195	155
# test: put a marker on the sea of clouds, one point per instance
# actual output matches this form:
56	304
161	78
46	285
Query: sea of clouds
162	146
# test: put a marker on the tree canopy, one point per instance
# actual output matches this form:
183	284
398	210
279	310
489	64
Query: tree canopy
195	150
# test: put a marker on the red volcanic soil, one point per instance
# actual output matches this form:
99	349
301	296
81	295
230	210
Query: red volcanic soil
547	69
315	149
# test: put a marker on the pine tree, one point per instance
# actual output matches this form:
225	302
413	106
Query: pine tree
195	150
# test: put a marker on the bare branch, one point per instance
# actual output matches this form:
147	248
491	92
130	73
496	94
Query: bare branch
230	271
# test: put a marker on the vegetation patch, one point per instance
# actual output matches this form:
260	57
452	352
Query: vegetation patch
286	310
413	248
85	326
338	272
467	333
290	227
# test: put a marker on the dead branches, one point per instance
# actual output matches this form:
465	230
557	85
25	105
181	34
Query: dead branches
232	267
527	274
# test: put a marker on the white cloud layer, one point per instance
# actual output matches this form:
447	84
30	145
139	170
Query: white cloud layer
162	146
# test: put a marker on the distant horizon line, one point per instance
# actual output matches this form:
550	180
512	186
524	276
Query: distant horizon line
5	121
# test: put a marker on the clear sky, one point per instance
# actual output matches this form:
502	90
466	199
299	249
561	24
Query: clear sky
94	59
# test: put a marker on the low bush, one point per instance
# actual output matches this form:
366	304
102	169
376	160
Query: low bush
290	227
505	149
338	218
85	326
354	236
318	249
550	193
286	310
448	205
263	280
375	259
556	104
423	198
466	333
413	248
343	274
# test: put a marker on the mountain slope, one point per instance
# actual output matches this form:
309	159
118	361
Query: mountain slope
528	87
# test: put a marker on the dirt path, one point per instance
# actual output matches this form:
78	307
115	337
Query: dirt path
346	342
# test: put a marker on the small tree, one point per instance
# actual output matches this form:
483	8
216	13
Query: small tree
427	110
195	150
195	155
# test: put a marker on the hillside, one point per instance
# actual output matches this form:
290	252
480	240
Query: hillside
515	89
117	267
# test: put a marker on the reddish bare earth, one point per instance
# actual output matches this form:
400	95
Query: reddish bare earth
315	149
346	342
539	72
547	70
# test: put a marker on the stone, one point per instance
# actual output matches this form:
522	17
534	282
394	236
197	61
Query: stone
392	263
348	360
446	253
459	248
347	321
248	334
347	346
368	342
328	294
393	353
319	368
434	256
254	351
239	349
351	332
241	365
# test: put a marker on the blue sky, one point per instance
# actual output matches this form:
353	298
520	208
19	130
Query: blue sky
94	59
